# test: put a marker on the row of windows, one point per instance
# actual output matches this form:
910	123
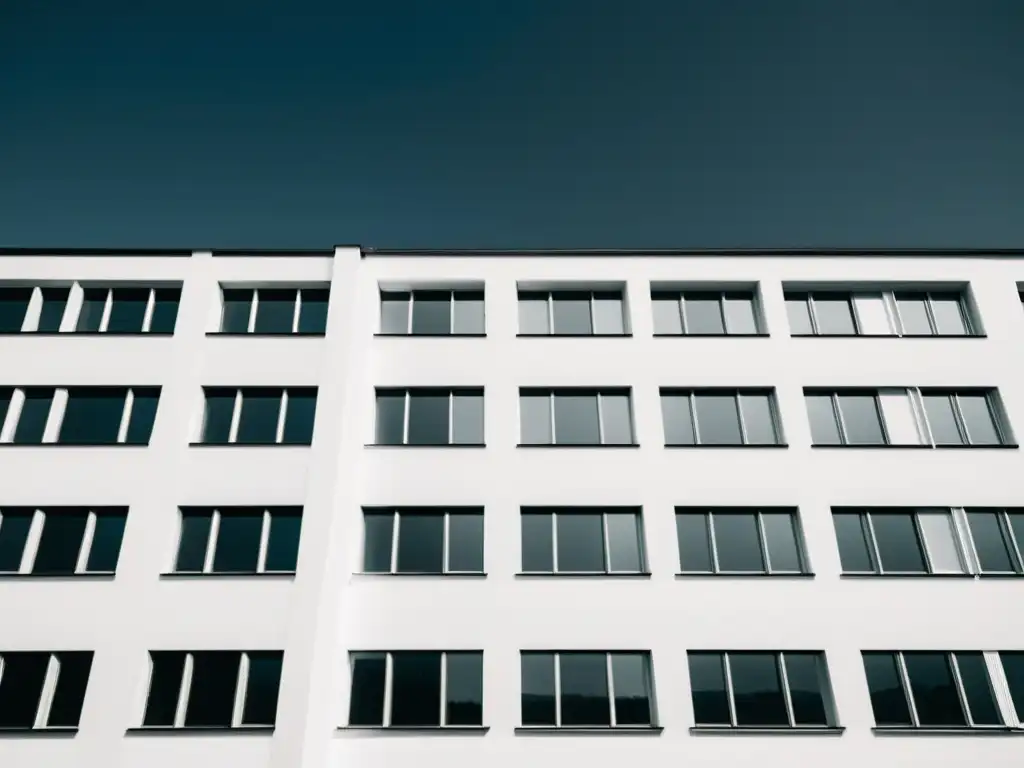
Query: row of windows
789	689
67	541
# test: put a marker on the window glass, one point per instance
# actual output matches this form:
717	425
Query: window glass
69	693
237	308
833	315
1017	527
949	316
105	549
538	688
737	542
275	310
142	417
220	406
676	420
533	313
34	413
990	542
576	420
803	673
60	543
861	420
780	541
262	688
432	312
872	318
92	417
428	418
757	689
416	688
703	313
165	310
937	530
390	427
464	689
899	417
394	312
694	542
608	313
624	542
913	314
978	689
14	525
888	701
667	314
127	310
799	316
313	310
466	542
707	689
898	545
851	535
469	312
195	535
824	427
616	423
538	547
631	682
580	542
718	420
257	422
571	313
238	542
54	303
377	544
467	418
6	393
211	698
535	419
935	694
94	302
283	540
977	416
21	687
420	543
584	694
1013	667
945	430
366	706
13	308
299	417
739	313
164	687
758	420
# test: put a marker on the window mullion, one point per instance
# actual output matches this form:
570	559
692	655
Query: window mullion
236	416
763	541
126	415
451	313
87	536
108	305
451	416
297	311
211	543
445	548
35	534
557	658
261	557
282	411
47	691
412	308
600	421
787	695
405	417
929	311
444	688
241	683
395	523
958	417
389	673
711	536
611	689
253	306
728	688
901	668
1015	546
147	316
961	690
837	414
915	521
874	544
893	310
743	423
593	315
186	688
965	539
551	313
812	313
554	542
722	313
607	564
916	400
681	309
551	417
692	400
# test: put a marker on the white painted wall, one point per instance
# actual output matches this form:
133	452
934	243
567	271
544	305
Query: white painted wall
326	610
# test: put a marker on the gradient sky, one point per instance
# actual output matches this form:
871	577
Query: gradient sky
511	123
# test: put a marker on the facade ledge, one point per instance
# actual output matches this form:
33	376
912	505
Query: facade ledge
741	446
711	335
574	335
430	335
459	575
785	730
200	730
900	575
741	575
913	731
90	576
53	732
74	445
887	446
228	575
608	730
419	730
887	336
117	334
269	334
442	446
578	445
208	444
582	575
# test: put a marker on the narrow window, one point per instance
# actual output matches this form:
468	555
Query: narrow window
55	301
13	308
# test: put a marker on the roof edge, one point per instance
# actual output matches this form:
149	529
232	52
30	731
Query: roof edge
801	251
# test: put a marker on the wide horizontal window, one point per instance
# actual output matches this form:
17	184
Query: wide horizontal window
259	415
597	540
61	541
575	417
242	540
277	310
128	309
905	312
423	540
737	540
430	416
432	312
720	417
572	313
694	312
78	415
42	689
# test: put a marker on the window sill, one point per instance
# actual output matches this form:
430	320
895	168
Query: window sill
711	335
430	335
783	730
228	575
887	336
459	575
269	334
91	576
577	445
900	730
431	730
425	445
727	445
200	730
574	335
925	446
582	575
741	575
62	732
74	445
976	447
207	444
87	333
600	730
906	575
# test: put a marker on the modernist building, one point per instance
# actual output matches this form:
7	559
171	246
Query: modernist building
381	509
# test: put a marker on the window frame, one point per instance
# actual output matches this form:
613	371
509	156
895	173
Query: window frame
635	512
48	690
213	537
453	300
678	294
396	514
59	399
1015	548
553	393
283	394
37	524
409	393
708	513
736	393
590	293
890	302
254	308
108	306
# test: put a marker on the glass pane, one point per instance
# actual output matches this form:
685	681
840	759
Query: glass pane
948	313
780	541
694	542
464	689
978	689
469	312
13	308
538	547
899	417
237	308
106	543
220	406
608	313
703	313
164	687
624	542
14	525
533	313
913	315
584	679
977	415
142	417
466	542
1013	667
128	310
416	688
707	689
428	418
366	705
257	422
861	419
34	413
275	310
667	314
211	698
92	417
872	319
299	417
468	419
21	687
571	313
834	316
824	427
758	420
238	542
935	694
580	542
283	540
195	535
394	312
6	393
313	310
55	301
737	542
165	310
432	312
888	701
616	420
538	687
851	535
576	420
803	673
377	542
60	543
261	692
676	419
757	689
94	303
69	694
990	542
632	684
945	430
937	530
535	419
390	429
739	313
1017	527
799	316
718	421
898	546
420	543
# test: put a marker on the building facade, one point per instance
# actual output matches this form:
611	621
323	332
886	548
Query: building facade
367	508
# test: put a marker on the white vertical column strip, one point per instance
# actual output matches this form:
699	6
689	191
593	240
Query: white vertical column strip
444	688
33	311
253	306
557	658
147	316
236	415
445	545
395	523
551	313
551	416
35	535
389	674
72	308
451	312
186	687
241	683
46	694
600	419
412	309
554	542
451	417
126	416
607	543
692	400
108	307
87	536
261	558
51	432
609	670
10	422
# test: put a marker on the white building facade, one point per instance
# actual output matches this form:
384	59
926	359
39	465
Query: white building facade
368	508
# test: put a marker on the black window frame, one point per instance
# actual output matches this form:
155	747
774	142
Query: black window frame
445	514
693	394
213	539
409	394
554	294
283	395
634	512
890	297
457	294
749	294
250	295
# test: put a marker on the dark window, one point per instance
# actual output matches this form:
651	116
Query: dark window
741	541
14	526
313	312
703	314
667	313
978	689
257	422
238	541
737	542
211	697
467	418
466	542
165	310
428	418
164	687
416	688
571	313
55	300
976	412
143	415
899	548
992	541
580	542
632	682
942	420
694	542
677	419
588	541
469	313
464	689
913	309
576	420
432	312
6	393
852	535
275	310
535	419
237	309
69	693
394	312
390	428
127	310
195	534
420	543
834	315
90	316
757	689
13	308
624	542
261	692
60	542
366	706
862	420
888	699
799	316
1013	667
584	689
935	693
299	417
538	689
92	417
803	674
708	689
21	687
718	418
220	407
283	540
822	415
377	544
34	413
106	542
538	543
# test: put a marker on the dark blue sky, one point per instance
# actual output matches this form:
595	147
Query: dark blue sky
512	123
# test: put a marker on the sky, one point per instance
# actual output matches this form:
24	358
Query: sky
511	123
